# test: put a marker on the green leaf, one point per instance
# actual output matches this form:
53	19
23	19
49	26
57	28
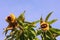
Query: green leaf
38	32
44	34
49	35
30	35
20	22
33	32
22	36
32	24
47	17
21	17
52	21
36	21
27	22
35	39
55	31
41	19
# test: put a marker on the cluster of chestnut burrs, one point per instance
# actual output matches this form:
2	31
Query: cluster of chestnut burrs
21	28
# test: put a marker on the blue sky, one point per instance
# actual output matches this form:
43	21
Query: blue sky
34	9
